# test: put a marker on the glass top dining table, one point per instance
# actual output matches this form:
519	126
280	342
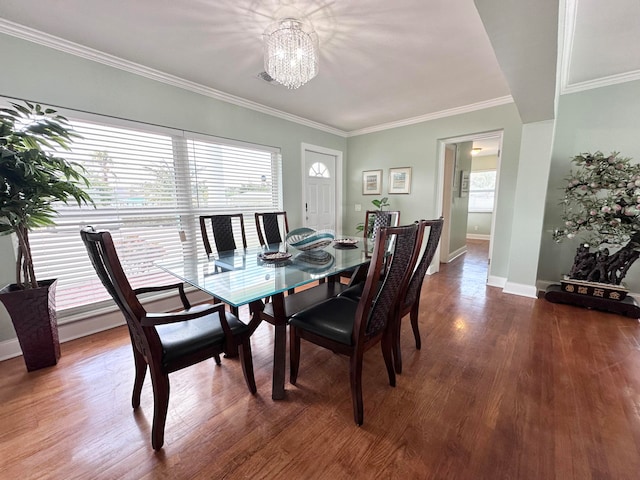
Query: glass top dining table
247	276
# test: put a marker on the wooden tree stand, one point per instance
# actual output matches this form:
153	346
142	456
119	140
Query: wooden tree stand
627	307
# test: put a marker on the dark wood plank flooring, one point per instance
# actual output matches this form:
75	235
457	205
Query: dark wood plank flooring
505	387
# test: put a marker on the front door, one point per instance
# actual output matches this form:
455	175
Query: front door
320	190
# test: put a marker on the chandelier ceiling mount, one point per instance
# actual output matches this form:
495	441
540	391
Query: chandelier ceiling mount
291	52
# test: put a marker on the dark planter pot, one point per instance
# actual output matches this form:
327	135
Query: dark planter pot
33	313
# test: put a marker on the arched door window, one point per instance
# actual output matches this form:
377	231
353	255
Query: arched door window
319	169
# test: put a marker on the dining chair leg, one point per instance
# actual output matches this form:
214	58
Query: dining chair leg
160	383
247	364
387	354
141	371
395	343
414	324
355	375
294	355
216	357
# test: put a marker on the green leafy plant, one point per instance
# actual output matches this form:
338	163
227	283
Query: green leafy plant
380	204
601	206
33	176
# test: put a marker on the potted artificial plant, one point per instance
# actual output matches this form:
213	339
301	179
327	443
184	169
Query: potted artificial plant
380	220
601	208
32	178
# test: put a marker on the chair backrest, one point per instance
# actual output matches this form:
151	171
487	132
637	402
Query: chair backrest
415	283
106	263
272	227
378	301
222	228
375	219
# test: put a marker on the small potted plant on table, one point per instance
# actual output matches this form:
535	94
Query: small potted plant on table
32	178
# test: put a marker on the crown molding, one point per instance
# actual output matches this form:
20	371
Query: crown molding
570	16
570	12
434	116
602	82
50	41
41	38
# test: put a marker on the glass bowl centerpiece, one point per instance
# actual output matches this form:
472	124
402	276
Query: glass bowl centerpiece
307	239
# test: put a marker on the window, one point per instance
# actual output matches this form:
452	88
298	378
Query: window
482	186
319	169
149	186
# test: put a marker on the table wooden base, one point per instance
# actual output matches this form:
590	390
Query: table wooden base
627	307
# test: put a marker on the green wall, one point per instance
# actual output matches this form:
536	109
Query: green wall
51	77
417	146
72	82
604	119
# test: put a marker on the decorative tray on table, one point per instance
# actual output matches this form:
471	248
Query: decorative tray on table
345	243
274	257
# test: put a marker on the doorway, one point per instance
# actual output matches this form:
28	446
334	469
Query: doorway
322	187
461	160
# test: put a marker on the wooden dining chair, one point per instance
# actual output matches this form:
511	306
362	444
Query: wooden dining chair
352	327
374	219
410	303
272	227
222	227
166	342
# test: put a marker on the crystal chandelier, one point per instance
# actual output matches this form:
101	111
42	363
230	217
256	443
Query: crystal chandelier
291	52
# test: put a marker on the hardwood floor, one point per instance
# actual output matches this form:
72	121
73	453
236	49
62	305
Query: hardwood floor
504	387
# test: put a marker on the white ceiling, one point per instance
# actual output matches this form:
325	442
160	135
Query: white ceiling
382	62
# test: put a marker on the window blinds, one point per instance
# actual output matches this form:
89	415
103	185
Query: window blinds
149	187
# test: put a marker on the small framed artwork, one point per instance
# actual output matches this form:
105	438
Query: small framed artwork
372	182
400	180
464	184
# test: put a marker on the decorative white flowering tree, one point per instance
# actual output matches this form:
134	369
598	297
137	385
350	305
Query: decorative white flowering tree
602	205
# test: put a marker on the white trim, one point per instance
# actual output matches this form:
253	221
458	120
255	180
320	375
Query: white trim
458	253
337	178
478	236
602	82
520	289
434	116
494	281
570	12
442	145
570	16
35	36
41	38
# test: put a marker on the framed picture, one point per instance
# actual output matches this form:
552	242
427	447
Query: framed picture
400	180
372	182
464	184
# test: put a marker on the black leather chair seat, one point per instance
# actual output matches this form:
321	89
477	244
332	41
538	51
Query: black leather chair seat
331	319
184	338
304	299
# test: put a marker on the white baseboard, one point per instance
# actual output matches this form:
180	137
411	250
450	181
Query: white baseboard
520	289
478	236
457	253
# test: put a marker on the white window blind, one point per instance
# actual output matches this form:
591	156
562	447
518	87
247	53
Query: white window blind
149	188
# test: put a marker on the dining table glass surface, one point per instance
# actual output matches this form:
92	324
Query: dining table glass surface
242	276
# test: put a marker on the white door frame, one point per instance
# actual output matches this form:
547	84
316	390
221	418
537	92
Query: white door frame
337	179
440	185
